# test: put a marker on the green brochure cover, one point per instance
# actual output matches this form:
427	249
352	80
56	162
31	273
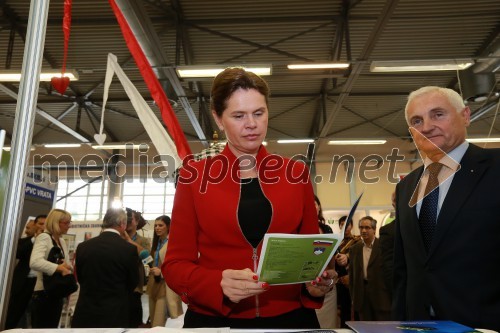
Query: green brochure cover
291	258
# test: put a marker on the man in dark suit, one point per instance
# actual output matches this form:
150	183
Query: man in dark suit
386	236
447	270
23	280
370	297
107	270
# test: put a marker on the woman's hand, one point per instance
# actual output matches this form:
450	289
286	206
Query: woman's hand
322	284
240	284
155	270
64	269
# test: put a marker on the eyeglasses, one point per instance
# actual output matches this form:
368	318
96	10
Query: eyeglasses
65	222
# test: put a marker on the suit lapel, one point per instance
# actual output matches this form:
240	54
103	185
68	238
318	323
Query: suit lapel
413	218
473	165
374	254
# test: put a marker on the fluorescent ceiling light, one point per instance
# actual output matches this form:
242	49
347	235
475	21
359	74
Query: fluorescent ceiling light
122	146
212	71
483	140
15	76
296	141
331	65
420	65
356	142
9	148
62	145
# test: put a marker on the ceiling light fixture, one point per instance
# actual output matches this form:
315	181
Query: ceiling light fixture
483	140
420	65
62	145
330	65
212	71
296	141
122	146
15	76
9	148
356	142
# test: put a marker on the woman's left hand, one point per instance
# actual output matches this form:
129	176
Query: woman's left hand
323	284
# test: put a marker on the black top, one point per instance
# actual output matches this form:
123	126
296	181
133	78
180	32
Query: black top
254	211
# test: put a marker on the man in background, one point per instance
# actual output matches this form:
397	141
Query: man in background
23	279
370	297
107	270
446	254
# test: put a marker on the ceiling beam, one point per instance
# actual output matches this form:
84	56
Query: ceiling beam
376	32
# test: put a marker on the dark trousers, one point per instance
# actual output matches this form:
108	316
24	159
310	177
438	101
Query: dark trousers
46	310
135	310
299	318
344	303
18	303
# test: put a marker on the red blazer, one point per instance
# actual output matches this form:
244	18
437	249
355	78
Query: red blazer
205	236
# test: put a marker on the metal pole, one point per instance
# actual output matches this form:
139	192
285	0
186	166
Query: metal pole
20	147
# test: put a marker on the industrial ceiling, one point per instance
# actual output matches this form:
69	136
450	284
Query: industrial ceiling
319	104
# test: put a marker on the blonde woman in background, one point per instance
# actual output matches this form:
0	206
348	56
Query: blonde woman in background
161	298
47	310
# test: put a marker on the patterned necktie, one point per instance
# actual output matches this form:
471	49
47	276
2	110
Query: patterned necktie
428	210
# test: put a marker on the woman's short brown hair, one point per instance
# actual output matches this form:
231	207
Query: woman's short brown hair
230	80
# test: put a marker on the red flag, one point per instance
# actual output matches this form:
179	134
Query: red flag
154	86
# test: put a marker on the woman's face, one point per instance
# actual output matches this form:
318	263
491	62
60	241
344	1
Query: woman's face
64	225
161	229
244	121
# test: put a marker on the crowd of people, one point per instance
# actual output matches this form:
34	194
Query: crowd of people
206	254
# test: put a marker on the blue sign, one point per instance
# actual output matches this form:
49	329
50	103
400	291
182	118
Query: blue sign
39	192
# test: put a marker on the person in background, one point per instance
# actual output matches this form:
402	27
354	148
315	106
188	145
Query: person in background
323	226
135	222
370	298
40	221
157	288
327	315
23	279
106	269
218	224
342	268
446	254
47	309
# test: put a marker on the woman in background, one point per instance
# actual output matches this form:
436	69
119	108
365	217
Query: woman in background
161	298
327	315
47	309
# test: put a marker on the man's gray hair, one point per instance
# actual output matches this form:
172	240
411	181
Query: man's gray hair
453	97
114	217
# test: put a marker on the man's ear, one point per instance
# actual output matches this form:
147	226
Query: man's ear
466	115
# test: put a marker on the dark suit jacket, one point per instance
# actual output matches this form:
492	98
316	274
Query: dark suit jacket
376	287
23	253
459	276
106	268
386	236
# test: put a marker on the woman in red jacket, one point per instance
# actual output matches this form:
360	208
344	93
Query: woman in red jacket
223	207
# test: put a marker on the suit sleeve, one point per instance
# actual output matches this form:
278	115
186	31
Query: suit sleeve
387	249
399	275
133	269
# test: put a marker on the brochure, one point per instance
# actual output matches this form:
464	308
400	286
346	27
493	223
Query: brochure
293	258
409	327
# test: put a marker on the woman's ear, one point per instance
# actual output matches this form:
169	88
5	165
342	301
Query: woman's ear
218	121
